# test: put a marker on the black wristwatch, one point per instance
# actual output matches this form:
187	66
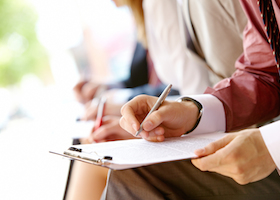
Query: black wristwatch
200	110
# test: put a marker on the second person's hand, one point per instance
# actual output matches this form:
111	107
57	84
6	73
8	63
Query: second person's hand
109	131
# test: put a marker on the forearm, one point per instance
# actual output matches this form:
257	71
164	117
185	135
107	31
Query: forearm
248	98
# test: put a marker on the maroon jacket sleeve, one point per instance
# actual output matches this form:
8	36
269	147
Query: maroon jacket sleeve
251	95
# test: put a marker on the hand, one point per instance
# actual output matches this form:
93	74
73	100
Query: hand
110	109
109	131
170	120
242	156
85	91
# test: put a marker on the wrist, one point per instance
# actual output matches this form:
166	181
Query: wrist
196	110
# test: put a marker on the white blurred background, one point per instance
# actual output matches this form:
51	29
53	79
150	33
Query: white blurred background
37	108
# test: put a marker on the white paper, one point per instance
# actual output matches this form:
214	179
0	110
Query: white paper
139	152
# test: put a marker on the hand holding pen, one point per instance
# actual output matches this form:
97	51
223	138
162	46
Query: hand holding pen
160	100
107	128
99	118
171	119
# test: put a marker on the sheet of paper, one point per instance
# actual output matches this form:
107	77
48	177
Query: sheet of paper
139	152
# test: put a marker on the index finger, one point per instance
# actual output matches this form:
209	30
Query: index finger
135	111
208	162
128	120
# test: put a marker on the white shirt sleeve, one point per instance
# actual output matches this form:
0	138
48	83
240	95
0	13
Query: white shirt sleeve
271	137
213	116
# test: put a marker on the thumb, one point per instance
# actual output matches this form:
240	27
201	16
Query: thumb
214	146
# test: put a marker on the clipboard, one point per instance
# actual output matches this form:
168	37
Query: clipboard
83	157
133	153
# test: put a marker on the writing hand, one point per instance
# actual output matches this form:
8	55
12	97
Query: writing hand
243	156
170	120
109	131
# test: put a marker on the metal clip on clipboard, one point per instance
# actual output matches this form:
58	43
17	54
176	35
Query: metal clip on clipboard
86	156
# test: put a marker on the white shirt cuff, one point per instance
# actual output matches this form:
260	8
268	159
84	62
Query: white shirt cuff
271	137
213	116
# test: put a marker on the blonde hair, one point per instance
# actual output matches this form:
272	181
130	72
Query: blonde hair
138	14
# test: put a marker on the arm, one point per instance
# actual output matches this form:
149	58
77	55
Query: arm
251	95
258	100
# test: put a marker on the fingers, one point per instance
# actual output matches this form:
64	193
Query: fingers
151	129
213	154
130	126
110	130
160	122
133	113
232	157
214	146
153	121
101	134
156	135
207	163
88	91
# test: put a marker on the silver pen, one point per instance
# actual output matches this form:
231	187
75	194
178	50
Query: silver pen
156	106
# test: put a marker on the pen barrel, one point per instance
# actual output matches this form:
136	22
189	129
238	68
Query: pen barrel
98	123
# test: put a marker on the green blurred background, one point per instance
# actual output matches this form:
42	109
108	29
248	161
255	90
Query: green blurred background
20	51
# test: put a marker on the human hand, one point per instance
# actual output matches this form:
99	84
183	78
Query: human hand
109	131
243	156
109	109
172	119
86	90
